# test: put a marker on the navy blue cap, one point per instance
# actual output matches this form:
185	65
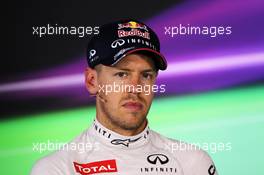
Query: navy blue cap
121	38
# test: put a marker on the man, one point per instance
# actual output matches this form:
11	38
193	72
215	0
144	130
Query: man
124	59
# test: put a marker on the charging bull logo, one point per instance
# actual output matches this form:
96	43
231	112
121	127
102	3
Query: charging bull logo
132	25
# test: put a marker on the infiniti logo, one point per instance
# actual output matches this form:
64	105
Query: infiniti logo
154	158
211	170
117	43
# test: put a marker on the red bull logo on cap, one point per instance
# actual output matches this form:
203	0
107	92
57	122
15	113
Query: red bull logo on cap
132	25
133	32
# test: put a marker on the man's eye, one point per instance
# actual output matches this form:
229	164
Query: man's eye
121	74
147	75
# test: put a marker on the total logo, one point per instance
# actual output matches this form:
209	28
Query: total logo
132	25
105	166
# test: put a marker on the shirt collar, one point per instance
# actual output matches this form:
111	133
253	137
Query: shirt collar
111	138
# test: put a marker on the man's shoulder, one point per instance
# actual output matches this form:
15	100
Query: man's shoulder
176	145
56	161
190	155
47	165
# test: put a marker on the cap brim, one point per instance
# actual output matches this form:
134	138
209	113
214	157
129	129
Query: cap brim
158	58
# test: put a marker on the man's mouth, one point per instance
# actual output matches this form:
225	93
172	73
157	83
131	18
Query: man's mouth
133	106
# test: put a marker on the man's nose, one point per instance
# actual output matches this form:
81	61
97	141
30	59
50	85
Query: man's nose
134	82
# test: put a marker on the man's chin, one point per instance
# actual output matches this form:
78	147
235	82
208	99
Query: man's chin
132	121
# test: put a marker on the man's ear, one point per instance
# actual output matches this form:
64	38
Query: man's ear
91	80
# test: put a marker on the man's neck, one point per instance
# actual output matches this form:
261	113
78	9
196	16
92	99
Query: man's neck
125	132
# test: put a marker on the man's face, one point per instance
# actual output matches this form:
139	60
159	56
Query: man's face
124	93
